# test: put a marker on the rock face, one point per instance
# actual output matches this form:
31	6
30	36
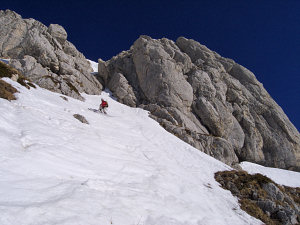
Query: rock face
44	55
263	198
209	101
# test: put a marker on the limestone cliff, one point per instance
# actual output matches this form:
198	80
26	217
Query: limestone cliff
44	55
209	101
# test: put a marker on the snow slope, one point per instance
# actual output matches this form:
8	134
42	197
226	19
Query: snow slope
122	168
282	177
94	65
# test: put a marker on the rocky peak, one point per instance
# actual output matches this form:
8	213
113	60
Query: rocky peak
209	101
58	32
159	75
44	55
9	13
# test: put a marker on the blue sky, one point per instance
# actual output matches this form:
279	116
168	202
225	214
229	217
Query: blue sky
262	35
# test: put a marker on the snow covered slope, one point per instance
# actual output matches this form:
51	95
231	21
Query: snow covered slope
122	168
94	65
282	177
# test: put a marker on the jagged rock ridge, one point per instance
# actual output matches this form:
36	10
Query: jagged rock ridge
209	101
44	55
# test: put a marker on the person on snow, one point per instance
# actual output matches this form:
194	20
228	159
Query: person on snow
103	106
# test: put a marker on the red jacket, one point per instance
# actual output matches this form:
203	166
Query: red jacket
104	104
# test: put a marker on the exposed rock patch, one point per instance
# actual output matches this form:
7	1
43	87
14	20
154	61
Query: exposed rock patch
44	55
7	91
15	75
64	98
81	118
263	198
209	101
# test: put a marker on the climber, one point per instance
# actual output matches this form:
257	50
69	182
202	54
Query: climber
103	105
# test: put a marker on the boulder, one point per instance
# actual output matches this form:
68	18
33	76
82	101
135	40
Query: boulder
81	118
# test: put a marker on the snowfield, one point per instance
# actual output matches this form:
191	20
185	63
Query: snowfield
122	168
94	65
282	177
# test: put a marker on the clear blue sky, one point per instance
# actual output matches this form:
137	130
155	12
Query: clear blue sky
262	35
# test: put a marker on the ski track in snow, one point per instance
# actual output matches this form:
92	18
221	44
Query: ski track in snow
120	169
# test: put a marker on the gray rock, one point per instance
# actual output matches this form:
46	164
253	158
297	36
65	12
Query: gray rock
160	77
29	66
45	78
275	201
286	217
81	118
219	148
210	117
267	206
236	137
206	100
202	84
103	71
232	187
58	32
122	90
64	98
71	50
46	55
273	191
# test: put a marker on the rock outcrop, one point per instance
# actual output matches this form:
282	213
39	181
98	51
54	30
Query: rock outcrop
44	55
81	118
263	198
209	101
